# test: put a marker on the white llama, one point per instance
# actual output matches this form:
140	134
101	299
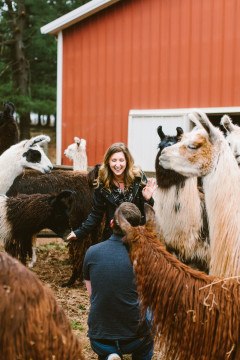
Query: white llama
205	152
77	153
232	136
25	154
180	211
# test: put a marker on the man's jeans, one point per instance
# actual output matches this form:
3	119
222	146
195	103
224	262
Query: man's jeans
141	348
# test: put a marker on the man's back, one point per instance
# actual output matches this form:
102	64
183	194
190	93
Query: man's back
114	312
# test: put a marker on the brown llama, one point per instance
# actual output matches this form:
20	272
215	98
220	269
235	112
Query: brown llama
194	316
9	133
81	183
205	152
33	326
24	216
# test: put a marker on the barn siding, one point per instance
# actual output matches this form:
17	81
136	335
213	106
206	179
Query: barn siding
152	54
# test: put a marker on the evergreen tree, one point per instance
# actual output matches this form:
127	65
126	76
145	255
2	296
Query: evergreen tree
28	59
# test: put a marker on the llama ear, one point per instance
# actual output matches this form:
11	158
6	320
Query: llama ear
9	108
122	222
226	122
202	121
93	174
40	139
150	214
179	132
161	133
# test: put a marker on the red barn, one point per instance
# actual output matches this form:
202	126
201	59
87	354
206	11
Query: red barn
127	66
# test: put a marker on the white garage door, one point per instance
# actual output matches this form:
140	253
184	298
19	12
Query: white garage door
143	138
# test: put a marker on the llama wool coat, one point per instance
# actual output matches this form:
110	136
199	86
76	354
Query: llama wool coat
105	203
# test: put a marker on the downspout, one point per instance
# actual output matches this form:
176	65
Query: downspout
59	98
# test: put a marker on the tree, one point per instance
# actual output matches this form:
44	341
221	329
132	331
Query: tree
27	58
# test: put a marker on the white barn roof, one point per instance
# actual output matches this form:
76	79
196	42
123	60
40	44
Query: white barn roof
76	15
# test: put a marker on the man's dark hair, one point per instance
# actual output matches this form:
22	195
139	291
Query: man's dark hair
131	213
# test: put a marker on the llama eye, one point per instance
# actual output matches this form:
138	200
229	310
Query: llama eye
192	147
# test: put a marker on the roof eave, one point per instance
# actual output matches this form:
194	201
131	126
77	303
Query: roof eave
75	16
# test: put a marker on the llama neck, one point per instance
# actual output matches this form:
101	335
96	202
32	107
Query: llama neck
80	161
222	194
10	168
179	217
181	303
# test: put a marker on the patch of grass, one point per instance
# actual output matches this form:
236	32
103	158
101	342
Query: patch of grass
53	246
76	325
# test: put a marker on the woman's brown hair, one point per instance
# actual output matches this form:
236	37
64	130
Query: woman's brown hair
105	175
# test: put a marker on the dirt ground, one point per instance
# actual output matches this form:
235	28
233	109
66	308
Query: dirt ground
53	269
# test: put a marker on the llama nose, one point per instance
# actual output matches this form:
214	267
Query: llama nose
48	169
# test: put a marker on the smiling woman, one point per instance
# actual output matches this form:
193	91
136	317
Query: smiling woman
119	180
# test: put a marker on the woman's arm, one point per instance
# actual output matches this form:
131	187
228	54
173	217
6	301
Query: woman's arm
93	219
89	287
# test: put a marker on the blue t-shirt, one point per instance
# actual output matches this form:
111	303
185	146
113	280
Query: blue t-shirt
114	311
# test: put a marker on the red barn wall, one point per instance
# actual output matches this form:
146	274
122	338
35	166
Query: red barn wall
152	54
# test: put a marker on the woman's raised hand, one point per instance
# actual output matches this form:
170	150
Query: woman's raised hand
149	189
71	236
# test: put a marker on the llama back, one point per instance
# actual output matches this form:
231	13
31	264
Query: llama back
33	326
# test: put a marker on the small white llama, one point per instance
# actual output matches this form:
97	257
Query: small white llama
77	153
232	136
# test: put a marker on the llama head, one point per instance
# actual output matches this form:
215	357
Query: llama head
167	178
72	150
93	174
62	206
7	114
30	154
168	140
232	136
134	234
198	150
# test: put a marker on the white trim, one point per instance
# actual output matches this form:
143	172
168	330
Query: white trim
59	99
76	15
166	112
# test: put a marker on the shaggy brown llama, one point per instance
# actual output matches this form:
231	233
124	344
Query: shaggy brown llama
9	133
33	326
24	216
82	184
195	316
